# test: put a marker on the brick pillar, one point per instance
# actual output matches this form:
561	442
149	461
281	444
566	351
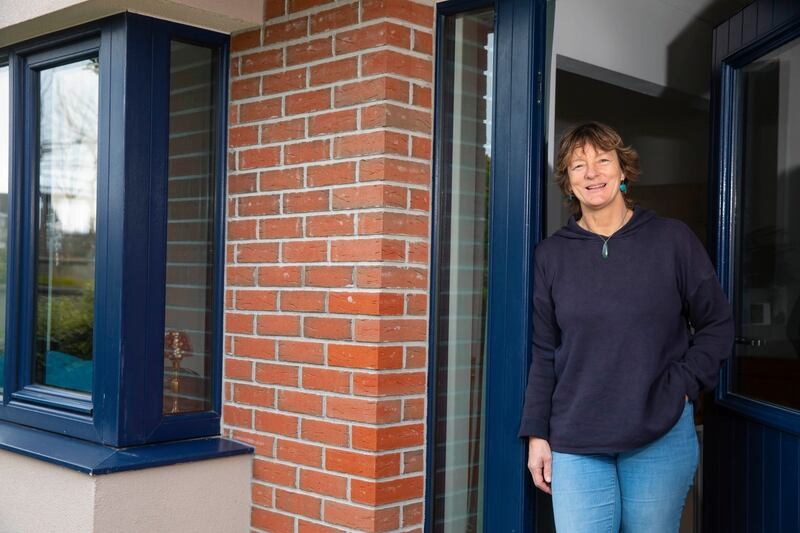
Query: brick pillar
327	262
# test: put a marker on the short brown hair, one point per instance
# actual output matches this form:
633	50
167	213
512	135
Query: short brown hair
601	137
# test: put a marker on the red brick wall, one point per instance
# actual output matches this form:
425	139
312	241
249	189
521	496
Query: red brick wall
327	262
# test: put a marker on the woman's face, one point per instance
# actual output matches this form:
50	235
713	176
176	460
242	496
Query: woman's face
594	177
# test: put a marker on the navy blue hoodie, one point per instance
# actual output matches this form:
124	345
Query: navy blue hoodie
613	352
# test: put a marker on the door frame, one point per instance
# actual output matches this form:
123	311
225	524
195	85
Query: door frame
757	29
518	170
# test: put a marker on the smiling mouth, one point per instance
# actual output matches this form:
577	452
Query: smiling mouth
595	187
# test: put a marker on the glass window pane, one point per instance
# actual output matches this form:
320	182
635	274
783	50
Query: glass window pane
462	266
767	243
66	206
4	144
188	339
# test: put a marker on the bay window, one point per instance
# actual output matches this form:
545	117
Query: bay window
112	164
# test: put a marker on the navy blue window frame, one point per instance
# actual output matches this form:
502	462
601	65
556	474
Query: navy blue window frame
518	170
726	87
125	407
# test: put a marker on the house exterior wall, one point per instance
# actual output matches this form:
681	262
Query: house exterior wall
57	496
202	497
328	229
327	279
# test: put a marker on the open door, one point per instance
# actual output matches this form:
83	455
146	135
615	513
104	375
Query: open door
489	155
752	436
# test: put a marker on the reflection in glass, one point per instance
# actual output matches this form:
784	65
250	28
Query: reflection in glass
4	144
188	339
767	243
463	205
66	207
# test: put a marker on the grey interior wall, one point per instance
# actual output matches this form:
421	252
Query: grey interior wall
661	41
670	134
643	67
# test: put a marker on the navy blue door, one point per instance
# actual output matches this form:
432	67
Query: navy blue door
489	160
752	430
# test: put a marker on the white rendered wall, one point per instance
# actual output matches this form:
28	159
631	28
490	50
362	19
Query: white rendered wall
202	497
23	19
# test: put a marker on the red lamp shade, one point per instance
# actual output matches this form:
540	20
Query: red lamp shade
176	345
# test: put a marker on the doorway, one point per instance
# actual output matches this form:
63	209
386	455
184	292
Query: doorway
641	66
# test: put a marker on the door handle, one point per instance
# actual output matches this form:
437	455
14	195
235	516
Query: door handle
747	341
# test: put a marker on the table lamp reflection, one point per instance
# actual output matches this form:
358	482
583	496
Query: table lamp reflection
176	347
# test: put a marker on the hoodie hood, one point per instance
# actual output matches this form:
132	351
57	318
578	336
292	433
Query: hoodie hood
641	216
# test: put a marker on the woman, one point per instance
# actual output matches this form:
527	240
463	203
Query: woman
616	367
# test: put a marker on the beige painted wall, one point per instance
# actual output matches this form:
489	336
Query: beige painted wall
23	19
201	497
38	496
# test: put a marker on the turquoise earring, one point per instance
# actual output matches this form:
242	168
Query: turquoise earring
623	187
570	197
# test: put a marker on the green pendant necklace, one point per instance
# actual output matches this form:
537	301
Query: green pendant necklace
604	250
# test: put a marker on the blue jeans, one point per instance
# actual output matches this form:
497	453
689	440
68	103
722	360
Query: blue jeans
641	490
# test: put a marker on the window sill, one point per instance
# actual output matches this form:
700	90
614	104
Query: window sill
96	459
